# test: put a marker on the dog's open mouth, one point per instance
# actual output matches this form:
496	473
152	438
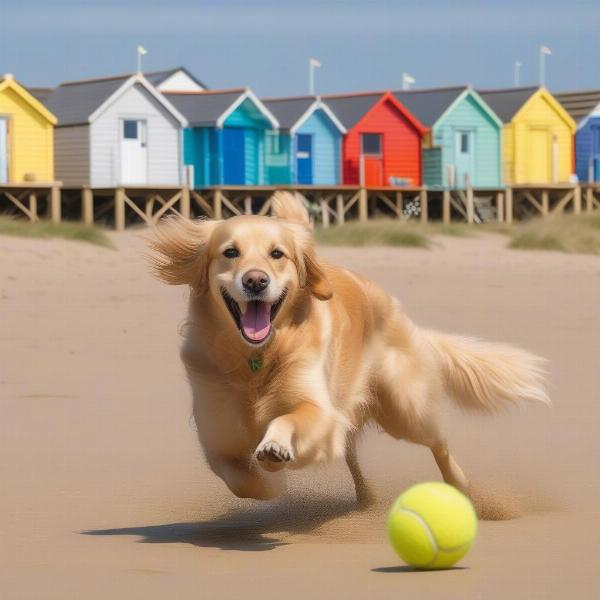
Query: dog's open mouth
254	321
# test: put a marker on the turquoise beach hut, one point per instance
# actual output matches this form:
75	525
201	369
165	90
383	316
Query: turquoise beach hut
308	148
225	143
465	143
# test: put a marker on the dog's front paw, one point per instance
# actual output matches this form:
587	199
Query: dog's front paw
273	455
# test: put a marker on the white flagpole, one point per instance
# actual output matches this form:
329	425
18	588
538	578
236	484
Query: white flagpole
544	51
141	51
312	64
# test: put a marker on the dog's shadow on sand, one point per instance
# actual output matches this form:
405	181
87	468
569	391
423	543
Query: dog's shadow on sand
256	528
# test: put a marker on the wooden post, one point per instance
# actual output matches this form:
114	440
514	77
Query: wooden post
87	206
588	200
184	203
446	207
577	200
509	205
545	203
324	212
470	205
248	205
33	206
55	212
424	205
339	209
500	207
217	205
119	209
399	205
363	207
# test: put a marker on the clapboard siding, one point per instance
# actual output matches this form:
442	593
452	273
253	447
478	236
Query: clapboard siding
30	139
72	155
401	145
468	114
432	166
585	153
163	141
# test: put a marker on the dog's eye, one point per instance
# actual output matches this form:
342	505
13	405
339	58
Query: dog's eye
231	253
276	254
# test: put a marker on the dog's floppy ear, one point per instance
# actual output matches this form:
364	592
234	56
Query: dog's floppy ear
290	207
181	252
311	273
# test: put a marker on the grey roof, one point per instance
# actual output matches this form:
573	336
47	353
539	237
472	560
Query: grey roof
352	108
288	110
507	102
203	109
40	94
157	77
428	105
579	104
75	101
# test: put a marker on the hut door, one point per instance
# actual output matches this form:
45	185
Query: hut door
596	153
371	159
464	163
134	152
3	150
540	156
234	156
304	161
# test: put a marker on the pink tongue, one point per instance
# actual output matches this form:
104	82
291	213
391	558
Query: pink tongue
256	321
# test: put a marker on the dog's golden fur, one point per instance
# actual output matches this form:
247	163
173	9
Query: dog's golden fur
341	353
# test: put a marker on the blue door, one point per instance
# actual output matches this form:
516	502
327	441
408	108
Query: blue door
596	151
234	162
304	166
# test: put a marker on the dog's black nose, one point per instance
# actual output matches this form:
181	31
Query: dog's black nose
255	281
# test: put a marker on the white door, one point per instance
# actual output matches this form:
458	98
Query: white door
3	150
134	152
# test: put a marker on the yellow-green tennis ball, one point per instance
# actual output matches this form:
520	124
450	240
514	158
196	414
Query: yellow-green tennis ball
432	525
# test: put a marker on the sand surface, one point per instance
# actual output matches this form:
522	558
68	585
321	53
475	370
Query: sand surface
104	492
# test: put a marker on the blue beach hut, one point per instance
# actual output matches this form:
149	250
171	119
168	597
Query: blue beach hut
465	142
225	141
584	108
308	148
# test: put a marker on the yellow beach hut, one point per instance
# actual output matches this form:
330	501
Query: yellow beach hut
26	135
538	135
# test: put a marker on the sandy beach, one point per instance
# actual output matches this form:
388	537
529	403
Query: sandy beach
104	492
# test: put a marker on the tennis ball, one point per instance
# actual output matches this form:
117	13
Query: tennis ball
432	525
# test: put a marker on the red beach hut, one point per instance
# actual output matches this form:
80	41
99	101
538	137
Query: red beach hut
384	139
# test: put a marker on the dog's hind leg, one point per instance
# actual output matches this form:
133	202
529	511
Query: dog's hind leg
363	492
451	472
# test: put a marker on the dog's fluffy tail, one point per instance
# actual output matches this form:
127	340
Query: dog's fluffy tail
485	377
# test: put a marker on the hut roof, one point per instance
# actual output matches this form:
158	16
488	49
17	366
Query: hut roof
157	77
8	82
292	112
429	105
76	102
351	108
40	93
506	103
211	108
579	104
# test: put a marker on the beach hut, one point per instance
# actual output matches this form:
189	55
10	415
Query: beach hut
465	143
308	148
584	108
225	141
26	135
178	79
384	139
537	135
116	131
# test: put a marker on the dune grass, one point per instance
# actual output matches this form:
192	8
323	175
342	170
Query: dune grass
574	234
380	232
47	229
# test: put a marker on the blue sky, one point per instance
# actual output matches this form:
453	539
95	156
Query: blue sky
266	44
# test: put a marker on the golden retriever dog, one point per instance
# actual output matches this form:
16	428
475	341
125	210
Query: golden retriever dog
289	357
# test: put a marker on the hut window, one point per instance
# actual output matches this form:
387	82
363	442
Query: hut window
464	143
371	143
130	130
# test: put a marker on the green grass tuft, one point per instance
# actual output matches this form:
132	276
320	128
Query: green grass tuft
373	233
47	229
